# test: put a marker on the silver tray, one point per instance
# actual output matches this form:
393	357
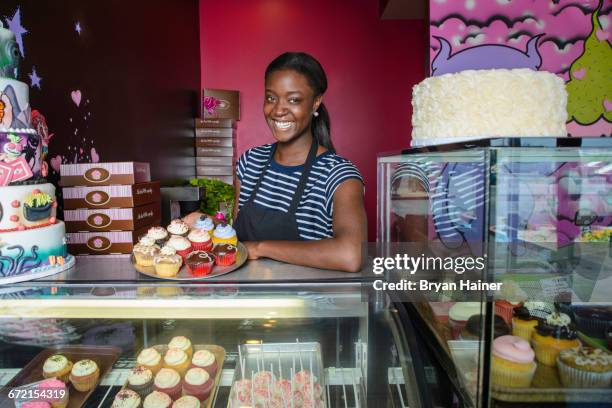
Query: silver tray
183	275
280	359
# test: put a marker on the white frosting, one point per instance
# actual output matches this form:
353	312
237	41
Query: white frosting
149	357
179	243
196	376
140	376
462	311
180	342
186	401
178	227
489	103
167	378
203	358
558	319
167	250
147	240
55	363
224	231
175	356
84	367
157	399
157	233
126	399
198	236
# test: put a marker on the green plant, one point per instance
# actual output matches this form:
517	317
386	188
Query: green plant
216	192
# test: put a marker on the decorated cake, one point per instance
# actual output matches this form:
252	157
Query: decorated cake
488	103
31	237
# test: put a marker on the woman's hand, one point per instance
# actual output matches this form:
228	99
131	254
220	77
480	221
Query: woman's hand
252	248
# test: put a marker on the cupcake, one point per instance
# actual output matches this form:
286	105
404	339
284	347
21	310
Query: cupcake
157	399
539	310
186	401
585	367
144	254
459	314
167	266
141	380
523	324
183	343
505	309
200	263
204	223
550	337
168	381
473	328
159	234
181	245
200	240
593	320
57	366
56	388
147	240
176	359
84	375
151	359
512	364
225	234
198	383
225	254
206	360
178	227
126	399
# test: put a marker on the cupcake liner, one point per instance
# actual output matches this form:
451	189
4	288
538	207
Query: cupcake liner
456	326
174	393
85	382
179	368
574	378
183	253
201	392
202	246
505	310
226	259
167	270
522	329
143	389
143	259
203	269
547	354
502	377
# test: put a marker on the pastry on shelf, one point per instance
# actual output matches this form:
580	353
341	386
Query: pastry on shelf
585	367
523	323
459	314
176	359
181	244
168	381
472	329
167	266
186	401
151	359
200	240
206	360
225	254
183	343
159	234
157	399
57	366
84	375
513	362
200	263
126	399
140	380
551	336
198	383
178	227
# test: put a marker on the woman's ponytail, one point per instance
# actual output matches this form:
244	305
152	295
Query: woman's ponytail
321	129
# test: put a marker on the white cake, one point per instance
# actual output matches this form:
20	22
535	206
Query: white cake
488	103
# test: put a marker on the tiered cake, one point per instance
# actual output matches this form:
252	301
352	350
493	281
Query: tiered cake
31	238
488	103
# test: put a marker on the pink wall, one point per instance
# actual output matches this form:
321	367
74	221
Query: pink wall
371	65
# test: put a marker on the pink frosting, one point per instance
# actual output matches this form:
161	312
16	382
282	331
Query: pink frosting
513	348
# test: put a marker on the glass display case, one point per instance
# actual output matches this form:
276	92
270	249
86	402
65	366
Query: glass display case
539	211
267	316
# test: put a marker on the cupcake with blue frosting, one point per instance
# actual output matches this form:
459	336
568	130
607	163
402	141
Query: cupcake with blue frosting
225	234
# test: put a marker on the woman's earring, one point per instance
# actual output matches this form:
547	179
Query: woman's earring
315	114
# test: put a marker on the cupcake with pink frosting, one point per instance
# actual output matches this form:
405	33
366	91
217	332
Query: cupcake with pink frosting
513	362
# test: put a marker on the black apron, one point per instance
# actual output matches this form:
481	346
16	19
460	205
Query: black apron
261	224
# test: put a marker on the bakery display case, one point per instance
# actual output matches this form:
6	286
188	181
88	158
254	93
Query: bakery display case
269	325
539	210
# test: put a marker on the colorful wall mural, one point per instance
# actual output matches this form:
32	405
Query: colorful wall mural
570	38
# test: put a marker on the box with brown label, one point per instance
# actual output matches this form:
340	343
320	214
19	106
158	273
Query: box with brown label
112	219
215	161
111	196
103	243
104	174
215	132
215	123
221	104
214	170
226	179
215	151
214	142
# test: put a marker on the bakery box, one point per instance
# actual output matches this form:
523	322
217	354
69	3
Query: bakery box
103	243
214	142
112	219
104	174
215	123
221	104
215	151
225	133
111	196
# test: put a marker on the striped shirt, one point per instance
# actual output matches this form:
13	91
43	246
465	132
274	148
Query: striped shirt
456	195
314	214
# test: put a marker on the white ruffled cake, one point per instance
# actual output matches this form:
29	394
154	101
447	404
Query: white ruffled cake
488	103
31	237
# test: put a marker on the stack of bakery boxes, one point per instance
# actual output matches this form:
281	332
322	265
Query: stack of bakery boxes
215	132
108	206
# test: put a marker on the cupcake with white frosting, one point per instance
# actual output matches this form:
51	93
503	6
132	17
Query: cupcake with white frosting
157	399
178	227
183	343
168	381
198	383
150	358
176	359
84	375
206	360
126	399
159	234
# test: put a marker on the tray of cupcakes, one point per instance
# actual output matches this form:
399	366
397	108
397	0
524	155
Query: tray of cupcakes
181	252
541	354
176	374
62	376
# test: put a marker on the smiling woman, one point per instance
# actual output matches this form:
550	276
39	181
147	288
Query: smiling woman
300	202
